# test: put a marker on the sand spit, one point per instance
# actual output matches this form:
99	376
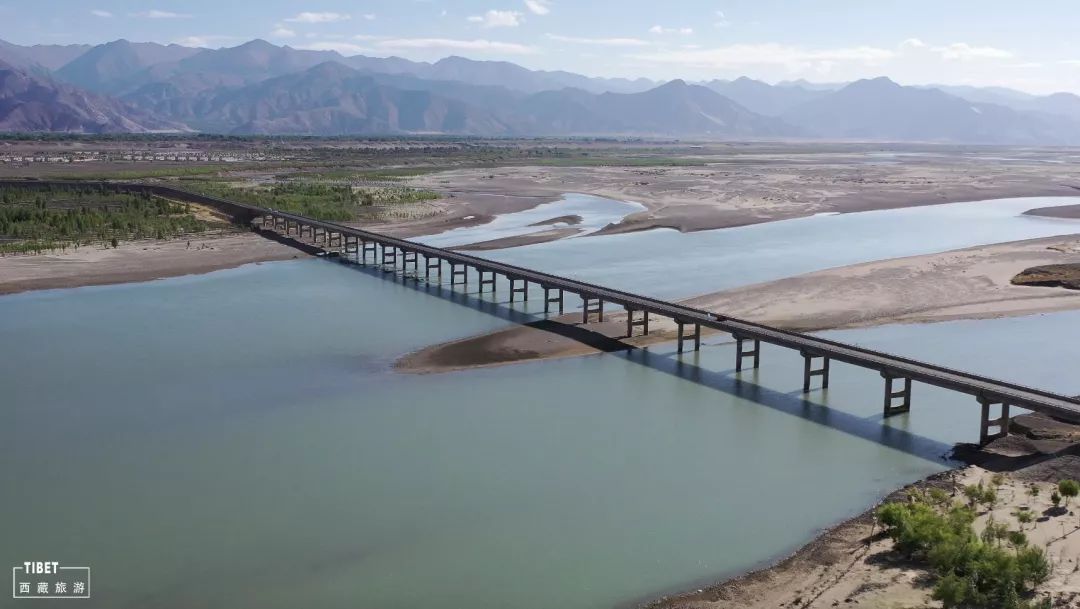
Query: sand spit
961	284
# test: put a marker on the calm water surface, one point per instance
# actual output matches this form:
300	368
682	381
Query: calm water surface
237	439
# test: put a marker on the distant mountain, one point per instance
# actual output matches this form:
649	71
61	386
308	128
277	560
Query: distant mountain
515	77
1001	96
1061	104
40	57
108	68
334	99
764	98
813	86
33	103
880	109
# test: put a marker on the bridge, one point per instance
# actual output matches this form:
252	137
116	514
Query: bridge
898	373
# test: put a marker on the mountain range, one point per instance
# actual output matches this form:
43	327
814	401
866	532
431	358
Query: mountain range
261	88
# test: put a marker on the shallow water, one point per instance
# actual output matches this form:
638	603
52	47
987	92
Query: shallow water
595	213
237	439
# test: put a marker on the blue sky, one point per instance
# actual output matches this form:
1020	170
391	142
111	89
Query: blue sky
1031	46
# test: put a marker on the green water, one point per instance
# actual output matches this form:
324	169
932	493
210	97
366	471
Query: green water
238	439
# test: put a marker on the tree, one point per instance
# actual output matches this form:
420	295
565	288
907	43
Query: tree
1023	517
1055	498
1068	489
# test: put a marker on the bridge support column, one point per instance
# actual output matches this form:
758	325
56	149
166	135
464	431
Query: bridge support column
741	353
487	278
352	245
590	306
632	322
550	300
428	267
459	275
904	395
331	239
409	259
986	423
369	246
809	372
515	290
683	337
389	256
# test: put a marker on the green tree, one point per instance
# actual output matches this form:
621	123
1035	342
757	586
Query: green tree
1068	489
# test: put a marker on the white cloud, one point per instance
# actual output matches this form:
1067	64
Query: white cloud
1070	62
913	43
368	16
283	32
202	41
494	18
100	13
318	18
659	29
604	42
741	56
965	52
721	19
457	45
538	7
156	14
344	48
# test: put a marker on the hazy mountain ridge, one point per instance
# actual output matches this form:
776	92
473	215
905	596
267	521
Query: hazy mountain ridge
29	102
258	87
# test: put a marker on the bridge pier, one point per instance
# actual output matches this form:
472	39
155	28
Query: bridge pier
487	278
683	337
389	256
550	300
741	353
459	273
890	406
985	423
809	372
352	245
632	323
330	240
515	290
369	246
588	308
428	267
409	259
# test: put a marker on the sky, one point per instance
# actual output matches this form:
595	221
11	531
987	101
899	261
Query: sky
1032	46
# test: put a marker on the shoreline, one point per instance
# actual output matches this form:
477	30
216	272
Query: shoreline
850	564
137	261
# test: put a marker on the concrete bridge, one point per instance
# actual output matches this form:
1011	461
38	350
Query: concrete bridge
995	397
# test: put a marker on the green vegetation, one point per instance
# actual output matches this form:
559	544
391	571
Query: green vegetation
335	203
38	220
971	570
1068	489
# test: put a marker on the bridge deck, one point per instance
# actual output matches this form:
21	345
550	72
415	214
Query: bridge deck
988	389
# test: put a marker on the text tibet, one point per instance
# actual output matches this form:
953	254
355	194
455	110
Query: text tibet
47	579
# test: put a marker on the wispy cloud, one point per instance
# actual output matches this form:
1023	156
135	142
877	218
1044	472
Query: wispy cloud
307	17
494	18
101	13
659	29
345	48
156	14
204	41
283	32
721	19
604	42
538	7
741	56
964	52
479	45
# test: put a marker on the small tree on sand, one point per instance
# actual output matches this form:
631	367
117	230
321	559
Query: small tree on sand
1069	489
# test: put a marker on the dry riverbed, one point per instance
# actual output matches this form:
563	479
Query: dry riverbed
137	261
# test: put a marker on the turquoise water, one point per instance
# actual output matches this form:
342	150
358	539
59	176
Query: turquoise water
237	439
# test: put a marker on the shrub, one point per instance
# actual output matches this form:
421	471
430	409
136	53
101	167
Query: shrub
1068	489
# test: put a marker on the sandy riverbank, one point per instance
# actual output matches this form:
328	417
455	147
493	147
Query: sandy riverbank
137	261
740	189
962	284
851	565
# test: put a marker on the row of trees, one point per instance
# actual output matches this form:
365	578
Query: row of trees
332	202
33	221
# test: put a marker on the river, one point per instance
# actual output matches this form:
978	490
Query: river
238	439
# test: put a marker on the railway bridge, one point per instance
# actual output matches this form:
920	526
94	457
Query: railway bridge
995	397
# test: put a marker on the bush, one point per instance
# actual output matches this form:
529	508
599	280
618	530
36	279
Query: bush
1068	489
972	570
